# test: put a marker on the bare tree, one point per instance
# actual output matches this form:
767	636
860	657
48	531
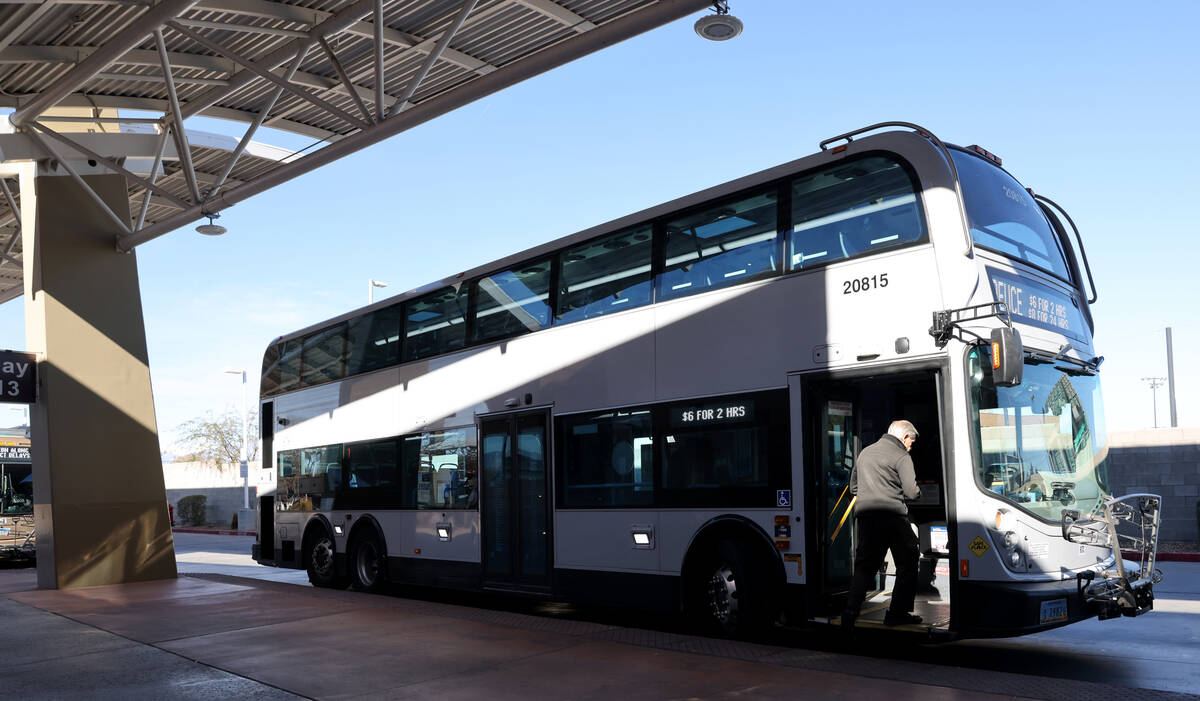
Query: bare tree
218	439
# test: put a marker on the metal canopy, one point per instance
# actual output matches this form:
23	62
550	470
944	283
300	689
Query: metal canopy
348	74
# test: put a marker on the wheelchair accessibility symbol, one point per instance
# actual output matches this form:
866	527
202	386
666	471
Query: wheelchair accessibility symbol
783	498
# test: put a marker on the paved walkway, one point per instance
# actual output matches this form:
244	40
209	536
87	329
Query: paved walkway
215	636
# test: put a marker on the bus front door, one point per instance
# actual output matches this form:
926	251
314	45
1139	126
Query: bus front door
837	444
514	501
843	416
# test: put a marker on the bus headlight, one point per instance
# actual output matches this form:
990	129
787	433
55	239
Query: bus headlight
1010	540
1014	558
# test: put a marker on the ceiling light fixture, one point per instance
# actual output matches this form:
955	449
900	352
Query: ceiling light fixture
211	229
721	26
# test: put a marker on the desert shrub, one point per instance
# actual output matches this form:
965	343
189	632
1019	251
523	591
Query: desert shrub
191	509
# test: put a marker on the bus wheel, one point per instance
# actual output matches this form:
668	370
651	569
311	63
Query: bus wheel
729	592
321	569
368	562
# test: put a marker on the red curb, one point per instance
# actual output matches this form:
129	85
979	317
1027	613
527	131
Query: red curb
211	531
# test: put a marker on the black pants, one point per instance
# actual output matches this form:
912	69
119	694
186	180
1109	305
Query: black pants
878	532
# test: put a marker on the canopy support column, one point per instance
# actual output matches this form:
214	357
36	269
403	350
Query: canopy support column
100	501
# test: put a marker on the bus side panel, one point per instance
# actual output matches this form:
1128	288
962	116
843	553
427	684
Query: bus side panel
752	336
414	534
603	540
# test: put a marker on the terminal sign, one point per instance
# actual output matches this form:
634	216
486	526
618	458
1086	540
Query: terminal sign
18	377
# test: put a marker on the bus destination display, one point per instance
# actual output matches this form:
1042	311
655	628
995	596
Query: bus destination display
728	411
1033	303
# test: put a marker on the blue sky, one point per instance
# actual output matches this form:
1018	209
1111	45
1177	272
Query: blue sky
1093	105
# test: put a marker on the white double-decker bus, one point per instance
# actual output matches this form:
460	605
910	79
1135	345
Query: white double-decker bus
663	411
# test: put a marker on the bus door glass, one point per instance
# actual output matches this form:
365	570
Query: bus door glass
515	501
837	445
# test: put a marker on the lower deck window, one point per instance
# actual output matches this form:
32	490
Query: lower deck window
443	466
608	459
726	452
720	452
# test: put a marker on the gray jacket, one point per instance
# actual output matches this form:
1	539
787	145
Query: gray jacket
884	477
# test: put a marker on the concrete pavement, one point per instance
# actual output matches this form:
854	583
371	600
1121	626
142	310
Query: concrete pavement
206	636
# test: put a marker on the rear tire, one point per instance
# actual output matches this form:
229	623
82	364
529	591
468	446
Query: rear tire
368	562
730	592
322	568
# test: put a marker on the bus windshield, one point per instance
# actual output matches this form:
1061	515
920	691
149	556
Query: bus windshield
16	489
1004	216
1042	444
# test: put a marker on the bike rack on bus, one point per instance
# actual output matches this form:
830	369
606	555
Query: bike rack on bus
1127	524
948	321
962	205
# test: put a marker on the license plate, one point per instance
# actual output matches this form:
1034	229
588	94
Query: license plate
1054	610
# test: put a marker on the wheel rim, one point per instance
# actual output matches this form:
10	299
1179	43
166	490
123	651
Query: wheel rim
322	557
722	596
367	563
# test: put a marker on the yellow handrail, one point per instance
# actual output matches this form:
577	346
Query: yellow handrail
849	508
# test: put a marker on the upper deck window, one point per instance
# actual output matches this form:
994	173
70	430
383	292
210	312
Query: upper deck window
435	323
271	370
512	301
323	356
606	275
851	209
720	246
289	366
373	341
1004	216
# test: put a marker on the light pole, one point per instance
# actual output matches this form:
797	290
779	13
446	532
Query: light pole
371	285
1155	383
243	456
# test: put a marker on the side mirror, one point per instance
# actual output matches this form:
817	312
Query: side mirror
1008	357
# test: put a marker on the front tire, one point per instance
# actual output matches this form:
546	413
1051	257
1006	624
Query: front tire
730	593
368	562
322	568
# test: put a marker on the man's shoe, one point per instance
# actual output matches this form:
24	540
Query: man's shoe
848	621
900	619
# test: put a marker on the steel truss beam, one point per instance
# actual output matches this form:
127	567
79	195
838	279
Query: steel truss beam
347	84
442	44
111	164
238	73
175	122
83	71
66	164
267	75
365	30
569	50
241	147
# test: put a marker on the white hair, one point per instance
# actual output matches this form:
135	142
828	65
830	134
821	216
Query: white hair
901	428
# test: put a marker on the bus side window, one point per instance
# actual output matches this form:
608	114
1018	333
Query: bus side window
608	274
851	209
510	302
719	246
373	341
435	323
608	459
